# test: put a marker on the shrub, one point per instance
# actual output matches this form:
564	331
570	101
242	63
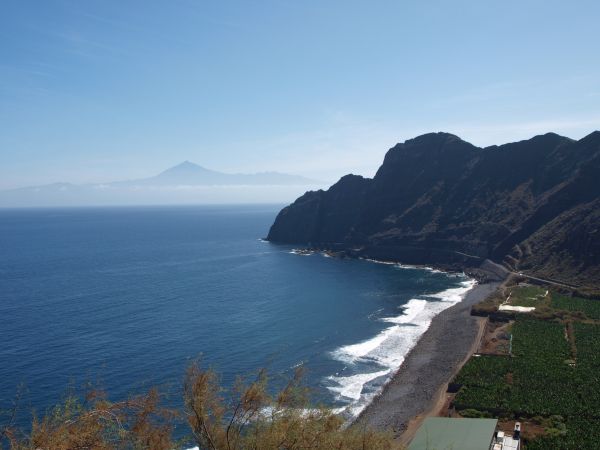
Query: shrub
246	417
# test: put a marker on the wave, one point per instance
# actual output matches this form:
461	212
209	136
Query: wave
301	252
410	313
388	349
351	387
378	261
411	267
404	266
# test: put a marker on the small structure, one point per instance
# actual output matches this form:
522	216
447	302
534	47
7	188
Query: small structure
523	309
504	442
443	433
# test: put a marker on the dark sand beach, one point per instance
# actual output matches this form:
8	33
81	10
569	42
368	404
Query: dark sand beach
415	388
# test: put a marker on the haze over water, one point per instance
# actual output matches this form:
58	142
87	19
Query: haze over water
128	297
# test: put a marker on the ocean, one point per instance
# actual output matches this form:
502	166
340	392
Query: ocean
126	298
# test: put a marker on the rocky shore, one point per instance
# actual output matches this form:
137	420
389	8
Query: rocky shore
413	390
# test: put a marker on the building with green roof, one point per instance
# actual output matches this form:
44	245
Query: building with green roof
443	433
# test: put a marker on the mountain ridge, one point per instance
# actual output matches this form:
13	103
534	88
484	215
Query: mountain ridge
437	199
193	174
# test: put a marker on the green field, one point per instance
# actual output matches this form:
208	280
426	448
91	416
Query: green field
582	434
527	296
545	377
591	308
531	383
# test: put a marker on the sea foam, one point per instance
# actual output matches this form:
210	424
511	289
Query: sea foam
403	266
351	387
387	350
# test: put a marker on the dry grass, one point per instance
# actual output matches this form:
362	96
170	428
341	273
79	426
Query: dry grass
246	417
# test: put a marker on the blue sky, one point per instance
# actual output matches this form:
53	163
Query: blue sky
94	91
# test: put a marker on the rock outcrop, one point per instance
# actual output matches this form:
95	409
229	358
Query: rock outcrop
532	205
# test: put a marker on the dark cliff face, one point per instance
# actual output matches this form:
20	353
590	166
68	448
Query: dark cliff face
532	205
323	216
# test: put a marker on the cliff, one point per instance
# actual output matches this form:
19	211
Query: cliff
533	206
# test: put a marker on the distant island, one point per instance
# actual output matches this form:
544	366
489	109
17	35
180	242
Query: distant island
184	183
190	174
532	206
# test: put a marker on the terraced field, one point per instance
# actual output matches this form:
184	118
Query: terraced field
591	308
547	376
527	296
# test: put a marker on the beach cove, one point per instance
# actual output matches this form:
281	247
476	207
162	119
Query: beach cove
417	387
128	297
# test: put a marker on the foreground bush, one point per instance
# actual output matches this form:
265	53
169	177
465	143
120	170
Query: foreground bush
96	423
246	417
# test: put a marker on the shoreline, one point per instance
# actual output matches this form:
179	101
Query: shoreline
441	395
417	387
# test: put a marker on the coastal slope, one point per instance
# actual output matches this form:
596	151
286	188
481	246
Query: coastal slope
532	206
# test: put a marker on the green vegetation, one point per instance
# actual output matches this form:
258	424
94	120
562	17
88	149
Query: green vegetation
484	384
591	308
531	383
474	414
484	371
528	296
578	434
553	377
246	417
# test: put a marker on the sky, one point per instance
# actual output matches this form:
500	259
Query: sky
102	90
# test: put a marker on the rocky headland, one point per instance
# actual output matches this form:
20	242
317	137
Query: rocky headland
531	206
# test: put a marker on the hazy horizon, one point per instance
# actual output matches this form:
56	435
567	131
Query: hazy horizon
105	91
154	174
184	184
166	169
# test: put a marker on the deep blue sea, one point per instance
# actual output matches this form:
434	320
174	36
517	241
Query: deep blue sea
126	298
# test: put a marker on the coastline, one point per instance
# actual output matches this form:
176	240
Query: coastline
418	385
